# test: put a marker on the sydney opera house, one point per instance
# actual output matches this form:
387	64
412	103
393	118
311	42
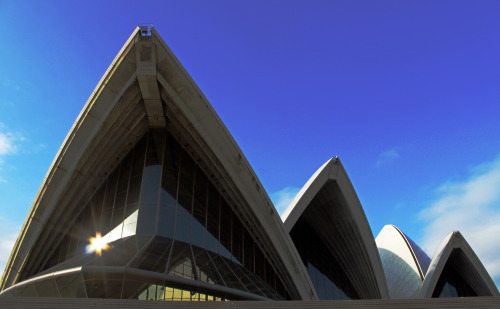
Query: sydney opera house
150	198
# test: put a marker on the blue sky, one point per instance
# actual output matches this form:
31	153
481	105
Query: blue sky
406	93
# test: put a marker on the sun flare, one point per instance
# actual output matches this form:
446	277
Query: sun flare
97	244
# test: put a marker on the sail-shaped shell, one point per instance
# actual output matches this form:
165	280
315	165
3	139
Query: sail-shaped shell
150	165
456	271
404	262
330	230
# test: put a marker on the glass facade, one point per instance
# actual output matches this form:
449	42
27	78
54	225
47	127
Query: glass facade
328	277
451	283
160	212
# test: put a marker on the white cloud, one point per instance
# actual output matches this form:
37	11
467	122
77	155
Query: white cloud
7	143
387	156
9	232
281	199
471	206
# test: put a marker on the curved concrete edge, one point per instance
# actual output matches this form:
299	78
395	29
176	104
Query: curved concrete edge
454	240
416	259
334	170
137	272
63	165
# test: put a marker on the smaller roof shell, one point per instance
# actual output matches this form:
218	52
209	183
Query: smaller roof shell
403	261
470	267
360	257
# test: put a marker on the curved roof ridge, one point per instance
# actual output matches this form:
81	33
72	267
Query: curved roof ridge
306	189
401	266
475	274
333	171
410	247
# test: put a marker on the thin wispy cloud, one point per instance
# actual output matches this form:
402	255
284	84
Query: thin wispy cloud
281	199
387	156
7	145
9	232
471	206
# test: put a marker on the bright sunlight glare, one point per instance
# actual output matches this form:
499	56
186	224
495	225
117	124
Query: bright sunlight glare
97	244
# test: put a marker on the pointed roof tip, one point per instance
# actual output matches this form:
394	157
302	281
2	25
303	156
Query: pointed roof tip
334	160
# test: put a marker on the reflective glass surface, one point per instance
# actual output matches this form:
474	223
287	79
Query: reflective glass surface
158	211
451	283
327	276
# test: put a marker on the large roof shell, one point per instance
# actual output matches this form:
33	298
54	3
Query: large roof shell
125	104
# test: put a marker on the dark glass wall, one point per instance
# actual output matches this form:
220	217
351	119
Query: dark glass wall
116	200
327	276
451	283
186	227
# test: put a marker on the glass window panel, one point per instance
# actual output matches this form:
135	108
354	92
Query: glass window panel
241	273
130	224
156	144
237	239
168	194
199	209
185	198
136	176
182	225
151	184
270	276
152	292
143	295
225	226
181	261
73	243
134	289
109	199
280	288
119	253
205	268
103	285
86	228
327	275
230	279
166	216
64	248
26	291
122	188
160	292
97	207
259	263
46	288
213	204
139	156
71	286
146	219
149	200
249	258
133	194
155	257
